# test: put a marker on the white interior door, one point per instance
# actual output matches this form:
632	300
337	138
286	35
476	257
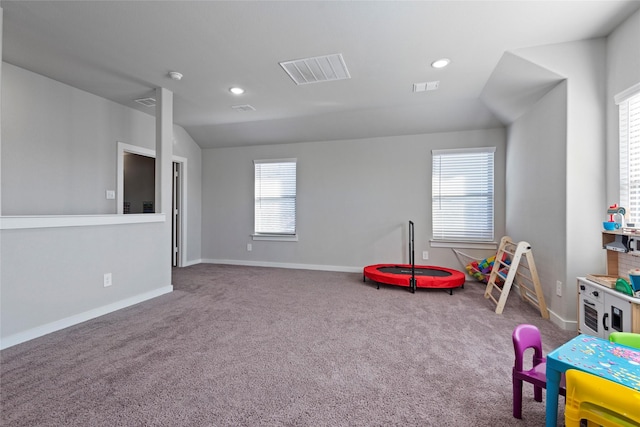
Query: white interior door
176	214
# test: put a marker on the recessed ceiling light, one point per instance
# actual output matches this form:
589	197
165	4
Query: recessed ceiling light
236	90
440	63
175	75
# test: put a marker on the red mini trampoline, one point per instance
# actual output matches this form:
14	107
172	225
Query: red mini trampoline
425	276
414	276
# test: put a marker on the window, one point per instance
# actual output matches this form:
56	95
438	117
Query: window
629	122
462	195
275	198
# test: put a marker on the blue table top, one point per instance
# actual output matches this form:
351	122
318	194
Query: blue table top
597	356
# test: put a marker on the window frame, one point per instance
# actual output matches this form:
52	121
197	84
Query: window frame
467	241
275	236
629	157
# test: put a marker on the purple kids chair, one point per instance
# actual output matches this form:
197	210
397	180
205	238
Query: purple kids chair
525	337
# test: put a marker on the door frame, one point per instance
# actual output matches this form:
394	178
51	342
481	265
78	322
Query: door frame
182	194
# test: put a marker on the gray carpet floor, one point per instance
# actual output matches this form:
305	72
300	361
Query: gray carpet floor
249	346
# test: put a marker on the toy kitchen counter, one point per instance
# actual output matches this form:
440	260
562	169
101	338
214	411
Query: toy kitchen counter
603	309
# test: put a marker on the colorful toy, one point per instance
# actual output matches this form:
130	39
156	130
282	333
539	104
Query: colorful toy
480	270
615	209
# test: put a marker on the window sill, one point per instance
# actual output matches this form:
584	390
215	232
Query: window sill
462	244
276	237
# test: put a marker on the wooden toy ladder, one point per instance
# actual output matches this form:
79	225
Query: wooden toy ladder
521	270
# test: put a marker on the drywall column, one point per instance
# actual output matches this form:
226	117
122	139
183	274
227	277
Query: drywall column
1	19
164	162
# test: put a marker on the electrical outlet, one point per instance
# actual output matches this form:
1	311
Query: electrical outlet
425	254
559	288
107	280
110	194
249	247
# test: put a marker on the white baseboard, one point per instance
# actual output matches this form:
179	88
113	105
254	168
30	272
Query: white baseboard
567	325
48	328
191	262
339	268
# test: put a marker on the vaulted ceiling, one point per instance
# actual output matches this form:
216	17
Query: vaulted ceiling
123	50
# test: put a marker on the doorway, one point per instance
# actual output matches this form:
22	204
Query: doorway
139	189
176	214
136	192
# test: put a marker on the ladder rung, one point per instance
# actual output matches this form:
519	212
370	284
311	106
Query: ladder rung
529	290
494	286
524	276
503	263
532	301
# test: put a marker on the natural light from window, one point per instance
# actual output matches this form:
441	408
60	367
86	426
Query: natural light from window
275	197
463	194
629	121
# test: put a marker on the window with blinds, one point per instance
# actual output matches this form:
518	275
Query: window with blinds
462	194
629	134
275	197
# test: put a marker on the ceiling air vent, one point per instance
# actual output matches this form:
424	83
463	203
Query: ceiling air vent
245	107
317	69
422	87
147	102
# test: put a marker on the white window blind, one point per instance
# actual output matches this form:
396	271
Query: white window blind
275	197
629	134
462	194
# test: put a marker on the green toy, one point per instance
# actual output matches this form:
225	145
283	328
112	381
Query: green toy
629	339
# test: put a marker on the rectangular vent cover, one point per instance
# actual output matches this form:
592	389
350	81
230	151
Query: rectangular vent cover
425	86
245	107
147	102
317	69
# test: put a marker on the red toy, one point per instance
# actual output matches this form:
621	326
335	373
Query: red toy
414	276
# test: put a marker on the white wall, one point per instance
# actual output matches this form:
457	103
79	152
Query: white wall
579	180
1	21
59	147
186	147
64	155
536	187
51	276
355	198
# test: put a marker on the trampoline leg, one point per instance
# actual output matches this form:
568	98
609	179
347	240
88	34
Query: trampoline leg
450	291
364	279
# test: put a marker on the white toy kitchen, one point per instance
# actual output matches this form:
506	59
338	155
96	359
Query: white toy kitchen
605	303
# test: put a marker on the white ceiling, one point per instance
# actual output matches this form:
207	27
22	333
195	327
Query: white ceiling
122	50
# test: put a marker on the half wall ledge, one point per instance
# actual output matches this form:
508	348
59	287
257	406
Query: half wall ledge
56	221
